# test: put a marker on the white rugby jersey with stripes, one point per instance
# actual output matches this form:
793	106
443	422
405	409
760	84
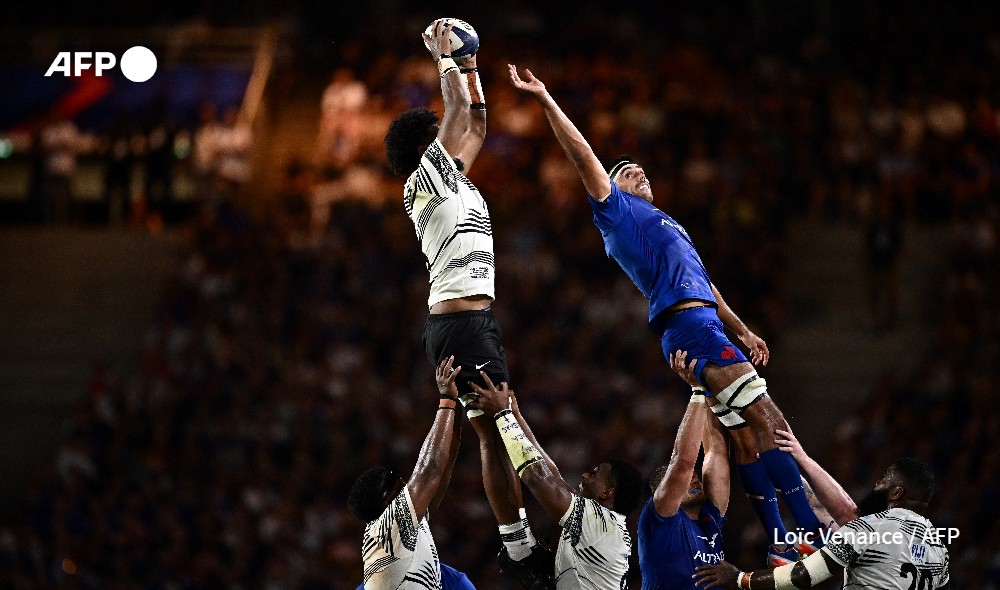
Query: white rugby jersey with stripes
398	550
453	226
593	548
896	548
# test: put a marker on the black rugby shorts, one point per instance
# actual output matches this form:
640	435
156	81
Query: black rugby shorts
474	337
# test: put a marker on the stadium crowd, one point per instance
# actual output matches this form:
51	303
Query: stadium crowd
285	355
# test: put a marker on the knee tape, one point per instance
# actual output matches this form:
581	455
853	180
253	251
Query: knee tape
728	417
743	392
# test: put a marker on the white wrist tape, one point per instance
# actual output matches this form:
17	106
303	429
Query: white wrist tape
783	577
522	453
818	570
445	65
470	412
696	397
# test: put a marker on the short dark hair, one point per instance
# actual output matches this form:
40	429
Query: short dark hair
407	133
629	488
916	476
365	501
658	475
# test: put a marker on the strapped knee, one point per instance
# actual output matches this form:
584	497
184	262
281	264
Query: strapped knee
728	417
744	392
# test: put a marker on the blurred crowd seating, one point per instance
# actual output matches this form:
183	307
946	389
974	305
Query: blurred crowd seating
285	356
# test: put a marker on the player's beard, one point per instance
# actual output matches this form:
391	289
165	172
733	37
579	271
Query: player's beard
875	501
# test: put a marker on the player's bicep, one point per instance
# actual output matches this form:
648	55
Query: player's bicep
471	142
595	178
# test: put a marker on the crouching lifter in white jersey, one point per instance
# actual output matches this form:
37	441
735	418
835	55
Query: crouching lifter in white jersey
594	546
894	548
452	223
397	547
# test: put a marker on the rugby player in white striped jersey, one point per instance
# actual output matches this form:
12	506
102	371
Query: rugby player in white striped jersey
452	224
894	548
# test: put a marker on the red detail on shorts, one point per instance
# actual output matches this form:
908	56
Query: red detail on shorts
728	353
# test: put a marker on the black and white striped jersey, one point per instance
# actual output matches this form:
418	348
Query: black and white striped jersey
896	548
453	226
398	550
594	548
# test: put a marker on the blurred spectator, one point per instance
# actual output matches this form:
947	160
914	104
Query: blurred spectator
206	151
62	141
340	122
159	160
282	359
233	141
119	160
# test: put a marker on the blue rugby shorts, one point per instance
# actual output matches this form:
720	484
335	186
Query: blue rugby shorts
699	331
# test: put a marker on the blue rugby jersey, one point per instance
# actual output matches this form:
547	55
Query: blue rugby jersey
671	547
653	250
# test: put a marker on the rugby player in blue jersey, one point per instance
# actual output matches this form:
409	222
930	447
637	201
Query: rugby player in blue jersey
680	527
689	314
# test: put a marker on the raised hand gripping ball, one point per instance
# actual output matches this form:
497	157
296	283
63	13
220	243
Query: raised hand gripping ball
464	39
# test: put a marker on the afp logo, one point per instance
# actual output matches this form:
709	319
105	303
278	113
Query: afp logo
138	64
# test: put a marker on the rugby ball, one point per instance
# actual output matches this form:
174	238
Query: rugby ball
464	39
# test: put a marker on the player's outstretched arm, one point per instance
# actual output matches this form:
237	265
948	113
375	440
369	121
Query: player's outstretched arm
808	573
531	436
828	491
448	390
472	139
595	178
676	482
531	463
759	353
454	90
715	468
437	455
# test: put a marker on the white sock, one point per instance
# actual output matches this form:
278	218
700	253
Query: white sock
517	537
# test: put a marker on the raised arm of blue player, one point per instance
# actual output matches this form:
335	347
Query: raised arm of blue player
595	178
676	482
715	468
759	353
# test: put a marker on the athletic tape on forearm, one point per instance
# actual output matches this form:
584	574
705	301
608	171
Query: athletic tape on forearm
783	577
522	453
475	88
818	570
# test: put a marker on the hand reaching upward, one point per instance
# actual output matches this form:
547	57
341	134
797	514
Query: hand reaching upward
530	84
